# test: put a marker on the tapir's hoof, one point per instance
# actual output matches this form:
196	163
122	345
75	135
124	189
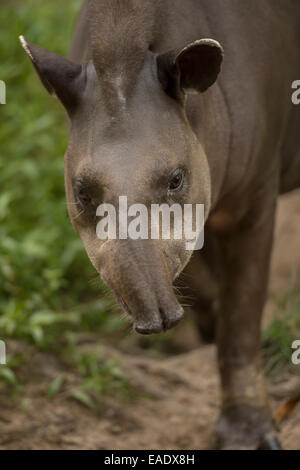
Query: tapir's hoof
270	442
245	428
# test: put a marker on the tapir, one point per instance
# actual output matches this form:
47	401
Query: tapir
187	102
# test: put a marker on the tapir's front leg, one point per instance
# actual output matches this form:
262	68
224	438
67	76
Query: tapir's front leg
245	421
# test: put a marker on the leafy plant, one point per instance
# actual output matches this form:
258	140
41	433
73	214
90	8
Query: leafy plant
98	377
8	376
55	386
45	275
278	337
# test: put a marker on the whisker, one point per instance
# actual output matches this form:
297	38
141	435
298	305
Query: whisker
78	215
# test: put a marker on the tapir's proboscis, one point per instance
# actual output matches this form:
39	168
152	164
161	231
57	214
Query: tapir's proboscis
187	102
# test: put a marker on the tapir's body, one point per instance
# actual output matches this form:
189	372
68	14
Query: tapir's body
127	107
247	120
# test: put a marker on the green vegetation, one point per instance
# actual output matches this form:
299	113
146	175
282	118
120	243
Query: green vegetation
47	285
278	337
96	377
45	276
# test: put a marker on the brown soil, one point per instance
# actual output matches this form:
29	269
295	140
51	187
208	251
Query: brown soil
178	396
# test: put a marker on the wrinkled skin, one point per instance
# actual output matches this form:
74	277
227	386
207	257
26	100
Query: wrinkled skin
134	124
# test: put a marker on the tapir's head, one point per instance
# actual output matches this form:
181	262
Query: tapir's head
130	137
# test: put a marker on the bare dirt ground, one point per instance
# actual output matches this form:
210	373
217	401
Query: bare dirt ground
178	398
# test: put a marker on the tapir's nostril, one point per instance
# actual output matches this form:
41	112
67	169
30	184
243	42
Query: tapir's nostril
148	328
169	320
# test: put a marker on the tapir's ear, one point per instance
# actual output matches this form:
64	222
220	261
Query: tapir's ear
60	77
195	67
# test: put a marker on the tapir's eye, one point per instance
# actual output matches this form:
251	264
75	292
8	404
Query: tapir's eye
176	181
83	196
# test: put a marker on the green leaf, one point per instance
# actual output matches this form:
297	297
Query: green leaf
83	398
7	375
55	386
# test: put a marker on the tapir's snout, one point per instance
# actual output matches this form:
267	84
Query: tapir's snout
138	275
167	320
159	320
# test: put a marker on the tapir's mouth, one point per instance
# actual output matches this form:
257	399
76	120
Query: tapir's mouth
123	304
158	324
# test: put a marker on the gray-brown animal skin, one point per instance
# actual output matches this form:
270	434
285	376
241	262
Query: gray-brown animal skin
233	141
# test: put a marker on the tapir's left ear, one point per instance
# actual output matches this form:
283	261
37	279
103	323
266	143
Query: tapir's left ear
196	67
59	76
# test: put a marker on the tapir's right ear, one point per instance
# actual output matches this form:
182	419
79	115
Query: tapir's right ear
59	76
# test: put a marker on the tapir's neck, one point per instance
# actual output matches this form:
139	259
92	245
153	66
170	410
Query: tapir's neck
209	117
